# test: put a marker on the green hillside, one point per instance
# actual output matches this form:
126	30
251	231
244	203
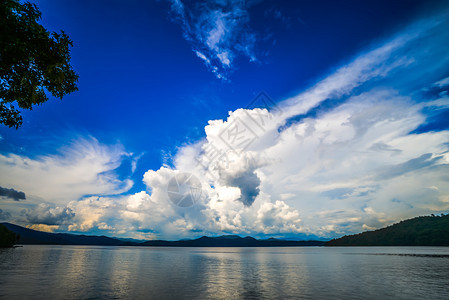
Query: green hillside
419	231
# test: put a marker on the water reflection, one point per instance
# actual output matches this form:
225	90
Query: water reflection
73	272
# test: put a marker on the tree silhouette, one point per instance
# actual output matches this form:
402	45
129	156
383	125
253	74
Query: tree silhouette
7	237
33	61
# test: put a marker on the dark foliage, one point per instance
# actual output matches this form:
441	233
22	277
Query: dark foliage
7	237
33	61
420	231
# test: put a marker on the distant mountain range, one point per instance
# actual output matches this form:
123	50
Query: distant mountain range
232	241
33	237
420	231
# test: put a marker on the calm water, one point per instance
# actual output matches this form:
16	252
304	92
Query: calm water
90	272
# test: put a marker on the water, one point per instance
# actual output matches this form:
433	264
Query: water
93	272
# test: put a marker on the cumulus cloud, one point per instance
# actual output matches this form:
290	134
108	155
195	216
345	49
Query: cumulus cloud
48	215
92	212
354	166
12	194
240	171
222	211
4	215
303	168
151	214
218	31
330	164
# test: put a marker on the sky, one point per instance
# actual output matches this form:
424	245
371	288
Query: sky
288	119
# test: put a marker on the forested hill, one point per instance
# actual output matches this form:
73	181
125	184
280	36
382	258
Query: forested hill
420	231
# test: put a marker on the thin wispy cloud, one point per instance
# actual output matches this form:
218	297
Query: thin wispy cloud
83	167
218	31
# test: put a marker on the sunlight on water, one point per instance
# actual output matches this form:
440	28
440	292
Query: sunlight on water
73	272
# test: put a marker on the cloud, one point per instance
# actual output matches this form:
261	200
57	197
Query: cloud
341	157
12	194
423	161
305	169
376	63
443	82
4	215
222	211
47	215
344	168
92	212
330	164
151	214
218	31
43	227
83	167
239	171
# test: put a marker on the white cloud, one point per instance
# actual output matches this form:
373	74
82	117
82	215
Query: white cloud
152	214
93	212
48	215
218	32
371	65
84	167
443	82
203	57
330	164
356	165
353	167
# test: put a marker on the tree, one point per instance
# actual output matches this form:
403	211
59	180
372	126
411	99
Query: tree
33	61
7	237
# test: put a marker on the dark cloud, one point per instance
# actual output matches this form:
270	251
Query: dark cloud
12	194
244	177
45	214
248	183
240	172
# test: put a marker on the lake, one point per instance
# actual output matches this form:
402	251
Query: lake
94	272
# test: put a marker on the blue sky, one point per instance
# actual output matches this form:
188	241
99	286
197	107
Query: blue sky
356	137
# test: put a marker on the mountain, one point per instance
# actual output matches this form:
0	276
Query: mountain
420	231
231	241
29	236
